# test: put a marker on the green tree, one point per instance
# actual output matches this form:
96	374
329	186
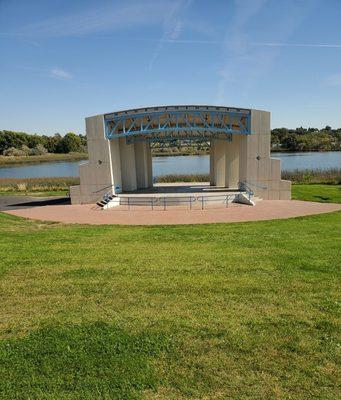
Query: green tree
70	143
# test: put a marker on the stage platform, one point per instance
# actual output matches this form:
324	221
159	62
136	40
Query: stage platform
180	189
186	194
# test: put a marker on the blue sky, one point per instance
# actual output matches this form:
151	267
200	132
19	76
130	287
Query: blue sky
64	60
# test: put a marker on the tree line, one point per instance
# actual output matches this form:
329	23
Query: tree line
302	139
21	143
282	139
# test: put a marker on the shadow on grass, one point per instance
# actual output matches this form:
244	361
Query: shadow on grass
86	361
322	198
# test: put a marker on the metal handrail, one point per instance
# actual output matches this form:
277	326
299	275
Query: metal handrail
244	186
247	183
191	199
137	202
164	201
226	198
106	187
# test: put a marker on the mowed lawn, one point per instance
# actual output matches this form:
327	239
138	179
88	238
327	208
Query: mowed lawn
320	193
225	311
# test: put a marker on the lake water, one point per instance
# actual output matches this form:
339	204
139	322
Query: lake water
174	165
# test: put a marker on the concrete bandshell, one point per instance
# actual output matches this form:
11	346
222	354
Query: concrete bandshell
115	165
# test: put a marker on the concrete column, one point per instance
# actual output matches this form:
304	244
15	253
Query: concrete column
243	157
232	162
142	164
212	162
220	163
128	166
149	165
224	162
116	165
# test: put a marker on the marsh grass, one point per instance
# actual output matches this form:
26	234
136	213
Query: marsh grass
328	176
49	157
60	185
45	184
172	178
317	176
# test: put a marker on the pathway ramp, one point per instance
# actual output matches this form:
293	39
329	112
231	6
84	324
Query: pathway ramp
88	214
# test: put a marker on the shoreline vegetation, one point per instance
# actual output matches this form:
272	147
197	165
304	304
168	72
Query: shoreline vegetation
74	156
21	147
60	185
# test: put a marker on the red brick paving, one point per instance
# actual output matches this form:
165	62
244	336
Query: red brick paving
264	210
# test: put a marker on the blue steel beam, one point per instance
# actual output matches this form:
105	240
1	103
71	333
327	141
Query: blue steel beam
207	123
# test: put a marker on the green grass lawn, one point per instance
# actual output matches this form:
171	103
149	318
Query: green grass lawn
320	193
46	193
225	311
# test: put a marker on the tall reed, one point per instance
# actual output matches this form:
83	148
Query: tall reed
37	184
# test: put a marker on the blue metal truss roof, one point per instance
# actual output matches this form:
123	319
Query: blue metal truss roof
177	124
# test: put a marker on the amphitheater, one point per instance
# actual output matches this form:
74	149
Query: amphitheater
117	185
120	172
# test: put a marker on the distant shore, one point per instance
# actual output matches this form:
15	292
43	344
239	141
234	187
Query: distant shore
51	157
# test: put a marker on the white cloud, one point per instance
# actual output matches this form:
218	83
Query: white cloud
240	41
172	27
59	73
333	80
176	31
251	44
116	15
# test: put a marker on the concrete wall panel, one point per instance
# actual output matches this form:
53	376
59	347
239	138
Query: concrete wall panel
141	162
232	163
149	166
212	162
115	167
128	166
285	195
275	169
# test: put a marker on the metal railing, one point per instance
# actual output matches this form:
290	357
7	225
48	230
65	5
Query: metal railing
103	188
127	201
245	186
203	200
163	202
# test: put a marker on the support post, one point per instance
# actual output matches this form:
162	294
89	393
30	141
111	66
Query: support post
212	162
128	166
232	163
142	164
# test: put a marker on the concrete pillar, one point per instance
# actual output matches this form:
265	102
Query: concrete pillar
224	162
212	162
115	159
220	163
149	165
243	157
128	166
142	164
232	162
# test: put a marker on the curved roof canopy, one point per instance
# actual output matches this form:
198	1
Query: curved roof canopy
177	122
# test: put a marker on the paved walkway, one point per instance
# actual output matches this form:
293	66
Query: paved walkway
87	214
